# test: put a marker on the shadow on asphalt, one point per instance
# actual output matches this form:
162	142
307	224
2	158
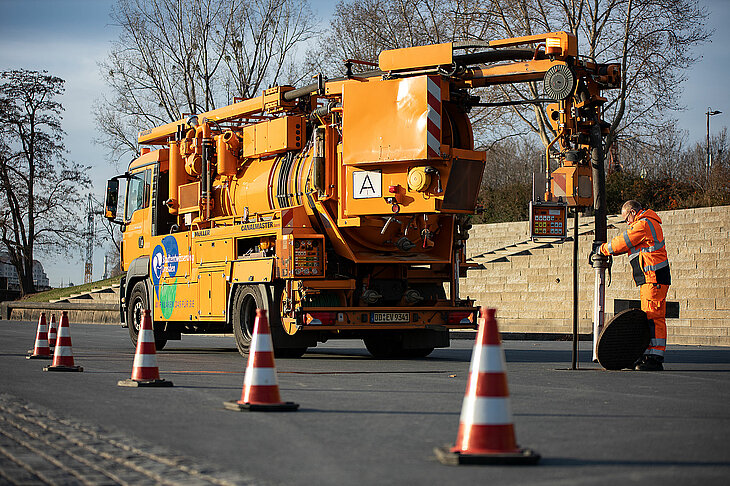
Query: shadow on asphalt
556	356
708	356
198	350
210	387
565	461
377	412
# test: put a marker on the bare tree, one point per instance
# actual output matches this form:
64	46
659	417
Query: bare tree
266	37
651	39
39	193
188	56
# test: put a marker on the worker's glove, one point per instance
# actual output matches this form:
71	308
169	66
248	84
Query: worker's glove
595	251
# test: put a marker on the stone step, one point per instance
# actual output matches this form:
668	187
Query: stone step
106	295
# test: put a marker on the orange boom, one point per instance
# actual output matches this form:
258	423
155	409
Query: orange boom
341	208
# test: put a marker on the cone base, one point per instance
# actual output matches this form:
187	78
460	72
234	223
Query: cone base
522	456
261	407
39	356
63	368
141	383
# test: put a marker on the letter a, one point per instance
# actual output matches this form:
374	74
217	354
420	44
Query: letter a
367	184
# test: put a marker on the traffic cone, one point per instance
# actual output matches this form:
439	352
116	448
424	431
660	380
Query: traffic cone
260	386
41	349
63	359
486	433
144	370
52	332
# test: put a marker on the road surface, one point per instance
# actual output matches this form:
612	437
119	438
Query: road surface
361	421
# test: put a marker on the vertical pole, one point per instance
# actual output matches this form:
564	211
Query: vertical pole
708	144
600	262
575	290
599	302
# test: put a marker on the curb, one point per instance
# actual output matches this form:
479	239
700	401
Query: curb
86	313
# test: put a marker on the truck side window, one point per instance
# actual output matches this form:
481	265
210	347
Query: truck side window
138	193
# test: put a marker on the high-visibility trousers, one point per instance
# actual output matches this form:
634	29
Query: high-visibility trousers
654	303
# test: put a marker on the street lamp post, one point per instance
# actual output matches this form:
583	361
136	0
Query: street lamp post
709	113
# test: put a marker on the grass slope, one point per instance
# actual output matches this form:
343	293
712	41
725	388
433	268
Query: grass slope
55	294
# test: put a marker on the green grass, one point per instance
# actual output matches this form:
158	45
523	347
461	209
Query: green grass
62	293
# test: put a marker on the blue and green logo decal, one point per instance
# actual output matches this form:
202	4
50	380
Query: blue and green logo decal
165	259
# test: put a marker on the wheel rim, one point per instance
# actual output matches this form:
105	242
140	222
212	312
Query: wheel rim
248	316
137	315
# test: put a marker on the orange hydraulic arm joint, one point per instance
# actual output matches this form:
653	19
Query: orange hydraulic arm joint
553	50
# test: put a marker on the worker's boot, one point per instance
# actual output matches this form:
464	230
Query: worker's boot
649	362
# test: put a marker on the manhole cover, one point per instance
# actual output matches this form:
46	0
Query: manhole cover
623	339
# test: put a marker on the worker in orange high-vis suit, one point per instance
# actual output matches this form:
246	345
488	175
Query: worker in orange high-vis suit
644	242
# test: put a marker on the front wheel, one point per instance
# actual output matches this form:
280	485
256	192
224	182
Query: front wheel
138	302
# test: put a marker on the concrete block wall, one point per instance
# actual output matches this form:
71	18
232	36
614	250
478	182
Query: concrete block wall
533	293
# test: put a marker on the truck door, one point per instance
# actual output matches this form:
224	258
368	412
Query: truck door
137	217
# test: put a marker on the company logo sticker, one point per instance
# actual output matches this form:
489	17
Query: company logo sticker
165	258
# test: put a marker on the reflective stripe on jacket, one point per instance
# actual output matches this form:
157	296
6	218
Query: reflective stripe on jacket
644	242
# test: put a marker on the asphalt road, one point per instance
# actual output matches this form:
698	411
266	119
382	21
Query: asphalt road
361	421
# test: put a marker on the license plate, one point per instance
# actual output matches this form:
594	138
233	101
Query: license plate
389	317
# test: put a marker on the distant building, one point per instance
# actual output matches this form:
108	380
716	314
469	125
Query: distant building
9	276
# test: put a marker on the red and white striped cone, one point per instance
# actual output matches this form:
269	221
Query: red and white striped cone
260	386
41	349
52	332
144	370
486	433
63	358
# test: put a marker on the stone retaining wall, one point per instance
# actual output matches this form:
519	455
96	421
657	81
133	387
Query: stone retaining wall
533	293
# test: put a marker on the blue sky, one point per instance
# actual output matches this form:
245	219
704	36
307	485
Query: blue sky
69	37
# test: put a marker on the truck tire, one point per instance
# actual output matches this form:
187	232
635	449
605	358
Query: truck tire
138	302
246	300
384	347
391	345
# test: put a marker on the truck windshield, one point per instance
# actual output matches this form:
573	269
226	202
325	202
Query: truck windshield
138	193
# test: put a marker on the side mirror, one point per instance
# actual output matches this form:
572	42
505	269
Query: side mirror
112	199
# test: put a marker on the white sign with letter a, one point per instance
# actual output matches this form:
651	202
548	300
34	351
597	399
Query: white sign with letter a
366	184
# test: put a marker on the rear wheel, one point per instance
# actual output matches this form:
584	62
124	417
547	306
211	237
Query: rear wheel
138	302
384	346
404	344
247	299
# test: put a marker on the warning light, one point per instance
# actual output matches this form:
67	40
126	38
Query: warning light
320	318
552	46
393	189
460	317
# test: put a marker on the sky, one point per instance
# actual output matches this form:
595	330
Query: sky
68	38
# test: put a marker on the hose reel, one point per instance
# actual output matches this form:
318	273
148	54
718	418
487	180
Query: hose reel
559	82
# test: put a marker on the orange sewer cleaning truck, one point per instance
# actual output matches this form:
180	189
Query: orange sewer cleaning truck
341	208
